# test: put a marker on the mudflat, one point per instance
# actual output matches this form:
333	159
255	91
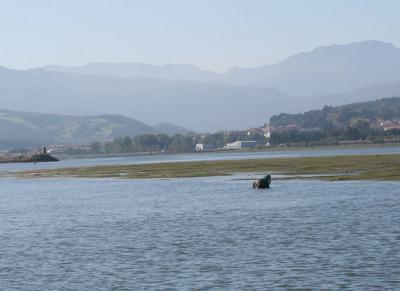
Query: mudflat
384	167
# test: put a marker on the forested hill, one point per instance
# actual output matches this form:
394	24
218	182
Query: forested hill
24	129
387	109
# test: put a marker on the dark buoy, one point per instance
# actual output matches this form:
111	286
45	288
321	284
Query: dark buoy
262	183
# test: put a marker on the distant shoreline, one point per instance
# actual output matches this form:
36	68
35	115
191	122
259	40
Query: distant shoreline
270	149
37	158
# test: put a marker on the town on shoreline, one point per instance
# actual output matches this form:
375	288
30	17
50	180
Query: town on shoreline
364	123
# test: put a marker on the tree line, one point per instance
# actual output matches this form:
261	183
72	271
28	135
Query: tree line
359	131
177	143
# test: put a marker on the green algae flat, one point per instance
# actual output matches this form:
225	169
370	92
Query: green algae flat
331	168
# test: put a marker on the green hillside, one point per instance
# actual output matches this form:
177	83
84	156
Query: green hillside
387	109
366	122
22	129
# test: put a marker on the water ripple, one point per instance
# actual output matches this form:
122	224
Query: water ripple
208	233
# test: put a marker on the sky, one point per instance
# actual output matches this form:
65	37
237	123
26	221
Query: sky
211	34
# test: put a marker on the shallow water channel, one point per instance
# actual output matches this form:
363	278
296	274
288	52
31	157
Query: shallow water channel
201	233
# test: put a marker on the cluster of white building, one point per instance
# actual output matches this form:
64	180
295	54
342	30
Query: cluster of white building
265	131
239	144
390	125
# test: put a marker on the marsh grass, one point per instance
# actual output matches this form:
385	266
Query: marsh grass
332	168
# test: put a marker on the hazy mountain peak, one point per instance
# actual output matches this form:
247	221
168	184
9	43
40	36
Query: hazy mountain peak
358	45
329	69
237	99
334	53
371	43
139	70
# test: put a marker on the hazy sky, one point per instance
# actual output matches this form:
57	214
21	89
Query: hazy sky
212	34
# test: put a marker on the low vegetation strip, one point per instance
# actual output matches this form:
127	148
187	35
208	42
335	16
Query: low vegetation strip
36	158
333	168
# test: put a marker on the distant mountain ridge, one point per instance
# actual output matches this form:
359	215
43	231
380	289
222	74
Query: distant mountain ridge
199	106
327	70
139	70
206	101
25	128
333	69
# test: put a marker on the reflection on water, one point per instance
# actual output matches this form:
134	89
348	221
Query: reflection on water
198	233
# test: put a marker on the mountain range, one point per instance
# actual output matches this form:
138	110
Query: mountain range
325	70
207	101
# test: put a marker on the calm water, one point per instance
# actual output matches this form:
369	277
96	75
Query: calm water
198	234
126	160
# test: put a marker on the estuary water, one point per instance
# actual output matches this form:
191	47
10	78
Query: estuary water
198	234
208	156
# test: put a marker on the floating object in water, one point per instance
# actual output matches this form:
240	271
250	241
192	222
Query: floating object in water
262	183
